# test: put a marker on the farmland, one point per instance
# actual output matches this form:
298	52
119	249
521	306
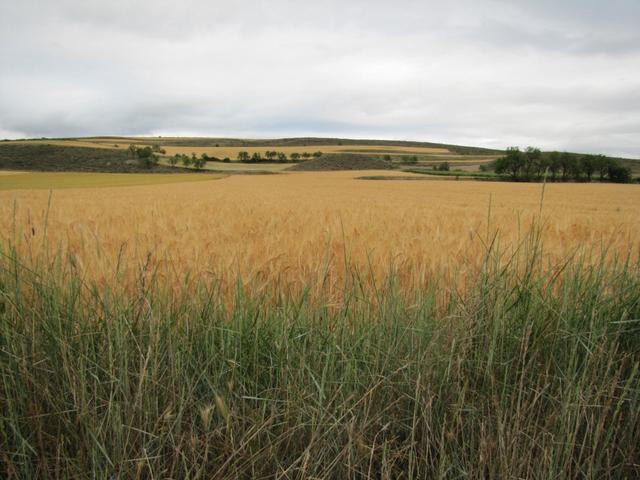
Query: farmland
319	324
286	227
60	180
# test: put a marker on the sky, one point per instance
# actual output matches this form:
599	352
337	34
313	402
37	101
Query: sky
557	74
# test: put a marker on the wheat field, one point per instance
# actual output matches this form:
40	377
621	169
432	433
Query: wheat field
232	152
292	229
317	325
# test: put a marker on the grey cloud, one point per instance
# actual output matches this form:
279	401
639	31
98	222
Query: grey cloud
495	73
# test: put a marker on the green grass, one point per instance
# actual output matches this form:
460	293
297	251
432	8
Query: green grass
533	372
58	180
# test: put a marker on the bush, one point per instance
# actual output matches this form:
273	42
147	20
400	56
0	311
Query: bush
619	174
146	157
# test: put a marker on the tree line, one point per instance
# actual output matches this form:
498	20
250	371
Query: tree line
189	161
270	156
273	156
532	164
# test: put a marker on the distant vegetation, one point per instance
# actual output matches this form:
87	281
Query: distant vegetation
343	161
51	158
309	141
275	157
189	161
533	165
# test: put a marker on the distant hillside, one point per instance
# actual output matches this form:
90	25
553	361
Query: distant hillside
292	142
307	142
342	161
55	158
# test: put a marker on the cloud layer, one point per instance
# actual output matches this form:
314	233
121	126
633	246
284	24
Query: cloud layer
561	75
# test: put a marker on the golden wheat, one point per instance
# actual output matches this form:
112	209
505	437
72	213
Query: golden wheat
290	229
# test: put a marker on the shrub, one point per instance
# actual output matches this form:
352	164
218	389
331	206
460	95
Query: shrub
618	173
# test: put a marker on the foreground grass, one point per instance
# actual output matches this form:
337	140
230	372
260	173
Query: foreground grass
530	373
59	180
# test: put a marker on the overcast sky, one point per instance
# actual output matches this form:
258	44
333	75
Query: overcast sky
559	74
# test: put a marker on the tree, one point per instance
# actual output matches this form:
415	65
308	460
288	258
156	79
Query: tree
576	168
317	154
256	157
618	174
588	165
186	161
553	163
132	150
173	161
270	155
512	163
567	162
243	156
531	162
146	157
295	156
282	157
198	163
443	167
306	155
412	159
601	164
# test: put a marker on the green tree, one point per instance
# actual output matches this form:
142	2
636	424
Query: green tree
199	163
132	150
173	160
295	156
588	166
567	165
282	157
618	174
256	157
512	163
553	163
601	164
186	161
531	159
146	157
317	154
243	156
